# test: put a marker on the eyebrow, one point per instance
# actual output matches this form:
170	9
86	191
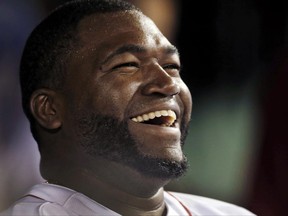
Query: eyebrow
132	48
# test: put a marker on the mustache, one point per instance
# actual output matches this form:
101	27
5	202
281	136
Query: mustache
93	124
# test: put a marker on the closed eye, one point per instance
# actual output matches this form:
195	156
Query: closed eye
127	64
172	68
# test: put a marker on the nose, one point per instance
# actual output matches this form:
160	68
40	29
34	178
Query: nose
159	82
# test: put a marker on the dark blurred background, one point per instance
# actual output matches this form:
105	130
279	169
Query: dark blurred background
235	62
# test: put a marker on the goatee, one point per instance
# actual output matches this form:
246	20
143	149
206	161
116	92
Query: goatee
109	138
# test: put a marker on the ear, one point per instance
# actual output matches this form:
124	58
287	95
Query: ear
45	108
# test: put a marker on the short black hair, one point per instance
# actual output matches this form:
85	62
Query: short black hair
48	46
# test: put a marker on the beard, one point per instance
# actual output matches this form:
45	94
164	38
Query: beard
109	138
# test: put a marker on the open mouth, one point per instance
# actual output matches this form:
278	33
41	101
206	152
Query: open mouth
165	118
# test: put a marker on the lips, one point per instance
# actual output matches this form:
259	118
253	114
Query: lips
165	118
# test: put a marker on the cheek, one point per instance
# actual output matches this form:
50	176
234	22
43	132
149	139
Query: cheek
114	98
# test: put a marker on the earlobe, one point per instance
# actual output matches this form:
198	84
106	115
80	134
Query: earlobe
44	108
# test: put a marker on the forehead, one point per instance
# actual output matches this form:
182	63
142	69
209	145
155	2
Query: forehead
117	28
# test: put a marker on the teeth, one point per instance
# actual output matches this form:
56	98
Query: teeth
152	115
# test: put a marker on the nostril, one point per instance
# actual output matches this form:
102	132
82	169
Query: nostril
176	89
167	88
171	89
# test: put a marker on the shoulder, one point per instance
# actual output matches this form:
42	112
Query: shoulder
38	201
55	200
207	206
30	205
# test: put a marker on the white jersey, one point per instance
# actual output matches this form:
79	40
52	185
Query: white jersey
54	200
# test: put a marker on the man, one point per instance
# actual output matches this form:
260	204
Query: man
102	90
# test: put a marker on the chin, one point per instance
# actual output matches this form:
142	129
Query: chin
170	167
173	154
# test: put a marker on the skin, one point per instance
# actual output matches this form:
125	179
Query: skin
100	81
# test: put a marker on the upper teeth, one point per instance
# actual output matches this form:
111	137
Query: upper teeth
152	115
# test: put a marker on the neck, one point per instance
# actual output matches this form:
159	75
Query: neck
126	203
119	188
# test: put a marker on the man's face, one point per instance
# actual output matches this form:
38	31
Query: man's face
125	98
